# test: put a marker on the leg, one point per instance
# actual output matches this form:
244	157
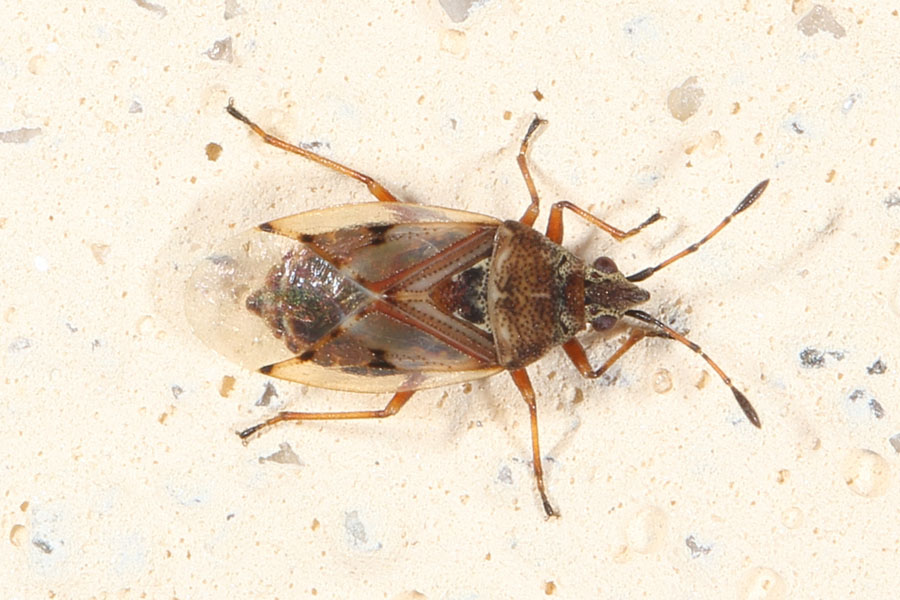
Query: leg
575	351
749	199
520	377
555	224
531	212
396	403
375	188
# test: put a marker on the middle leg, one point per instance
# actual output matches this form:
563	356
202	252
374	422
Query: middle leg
520	377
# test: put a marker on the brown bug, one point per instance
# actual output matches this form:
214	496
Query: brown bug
396	297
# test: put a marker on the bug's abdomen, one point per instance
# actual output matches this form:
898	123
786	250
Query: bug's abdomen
535	295
304	298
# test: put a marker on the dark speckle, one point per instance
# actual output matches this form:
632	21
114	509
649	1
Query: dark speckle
268	392
876	408
266	227
42	545
876	368
19	344
893	199
874	405
696	549
812	358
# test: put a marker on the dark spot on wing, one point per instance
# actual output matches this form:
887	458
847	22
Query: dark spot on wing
378	233
379	361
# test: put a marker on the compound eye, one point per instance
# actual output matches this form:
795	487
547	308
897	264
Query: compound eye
605	264
604	322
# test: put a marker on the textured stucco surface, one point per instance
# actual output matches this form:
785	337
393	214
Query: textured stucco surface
122	476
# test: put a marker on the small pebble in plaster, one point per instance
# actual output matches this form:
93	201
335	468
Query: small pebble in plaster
232	9
684	100
457	10
357	536
866	473
20	135
269	392
662	381
820	19
145	325
177	391
876	368
762	584
410	595
36	64
549	588
285	455
227	386
505	475
135	107
849	103
155	8
100	252
453	41
213	151
792	518
17	535
221	50
578	396
41	264
646	531
895	442
538	95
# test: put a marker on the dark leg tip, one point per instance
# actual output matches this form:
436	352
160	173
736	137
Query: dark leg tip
249	431
231	110
548	508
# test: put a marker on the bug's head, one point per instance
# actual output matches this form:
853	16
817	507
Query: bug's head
608	294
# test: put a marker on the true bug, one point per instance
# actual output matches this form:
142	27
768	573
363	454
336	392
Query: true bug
393	296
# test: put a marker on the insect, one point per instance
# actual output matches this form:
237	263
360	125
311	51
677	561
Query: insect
396	297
